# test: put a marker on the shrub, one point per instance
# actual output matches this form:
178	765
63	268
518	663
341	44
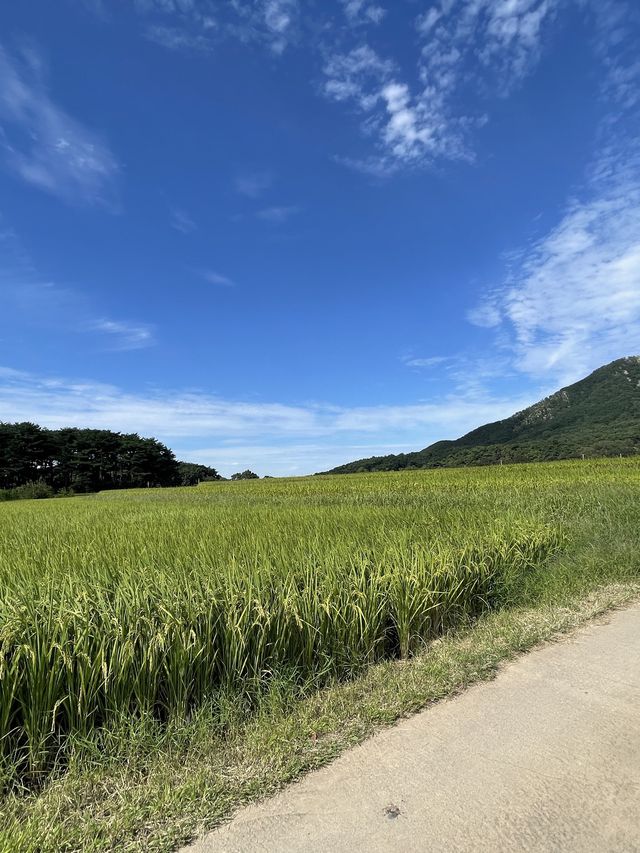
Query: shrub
29	491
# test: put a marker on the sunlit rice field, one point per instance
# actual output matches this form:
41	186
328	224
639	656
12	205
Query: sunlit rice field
153	602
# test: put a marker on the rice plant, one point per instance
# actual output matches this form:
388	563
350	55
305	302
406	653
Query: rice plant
126	605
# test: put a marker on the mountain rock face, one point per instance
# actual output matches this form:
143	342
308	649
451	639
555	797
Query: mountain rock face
597	416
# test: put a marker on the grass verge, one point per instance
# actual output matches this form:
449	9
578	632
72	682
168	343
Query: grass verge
161	787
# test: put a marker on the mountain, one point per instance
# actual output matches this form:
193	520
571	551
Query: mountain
597	416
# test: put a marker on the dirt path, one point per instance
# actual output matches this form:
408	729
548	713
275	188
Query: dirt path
544	758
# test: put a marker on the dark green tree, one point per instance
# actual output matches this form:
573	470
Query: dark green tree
245	475
82	460
190	474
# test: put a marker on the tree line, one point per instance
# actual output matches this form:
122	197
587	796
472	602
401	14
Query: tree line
88	460
618	439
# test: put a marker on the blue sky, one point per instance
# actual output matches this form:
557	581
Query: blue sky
284	234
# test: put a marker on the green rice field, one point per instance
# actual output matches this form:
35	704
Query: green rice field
152	603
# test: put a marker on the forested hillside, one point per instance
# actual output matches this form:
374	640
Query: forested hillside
597	416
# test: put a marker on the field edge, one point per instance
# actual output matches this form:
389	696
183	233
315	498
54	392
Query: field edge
173	791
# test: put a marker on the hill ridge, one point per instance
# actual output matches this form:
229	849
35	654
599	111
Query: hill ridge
598	415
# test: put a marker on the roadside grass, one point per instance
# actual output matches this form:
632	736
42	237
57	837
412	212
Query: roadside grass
152	786
161	788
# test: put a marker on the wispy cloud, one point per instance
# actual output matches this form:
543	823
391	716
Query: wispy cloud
45	305
181	221
125	336
427	363
486	314
179	38
232	430
469	52
216	278
279	18
180	25
253	184
616	42
42	143
571	300
357	75
291	459
197	26
407	129
278	215
500	38
95	6
363	12
30	301
494	42
423	107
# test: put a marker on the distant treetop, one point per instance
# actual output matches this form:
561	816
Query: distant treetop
190	474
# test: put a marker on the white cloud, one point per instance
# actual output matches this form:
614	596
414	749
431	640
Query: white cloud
408	130
499	40
264	435
616	42
357	75
272	22
253	184
486	314
289	460
125	336
432	361
196	26
463	40
181	221
363	12
216	278
96	6
278	215
180	25
422	108
179	38
427	20
203	9
279	17
571	301
43	144
470	53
